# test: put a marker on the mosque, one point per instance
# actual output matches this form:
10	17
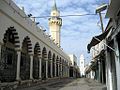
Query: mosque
26	51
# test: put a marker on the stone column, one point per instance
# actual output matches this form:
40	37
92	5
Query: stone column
46	68
65	71
55	68
40	64
68	71
58	70
31	66
18	64
61	70
51	68
99	71
102	71
0	51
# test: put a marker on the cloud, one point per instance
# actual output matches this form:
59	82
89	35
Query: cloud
76	32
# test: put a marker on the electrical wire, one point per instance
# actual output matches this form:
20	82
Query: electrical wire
66	15
50	16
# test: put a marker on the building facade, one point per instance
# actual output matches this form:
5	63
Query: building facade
74	69
96	68
113	40
111	52
26	51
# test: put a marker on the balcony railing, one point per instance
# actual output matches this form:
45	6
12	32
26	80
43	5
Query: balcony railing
54	18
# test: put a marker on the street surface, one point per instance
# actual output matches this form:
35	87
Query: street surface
69	84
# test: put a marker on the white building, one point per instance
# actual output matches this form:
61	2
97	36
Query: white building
82	66
74	70
73	59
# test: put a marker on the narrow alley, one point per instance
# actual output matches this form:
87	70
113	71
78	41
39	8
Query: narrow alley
59	45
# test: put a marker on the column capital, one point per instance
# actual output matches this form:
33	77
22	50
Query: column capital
46	59
19	50
40	57
31	54
50	59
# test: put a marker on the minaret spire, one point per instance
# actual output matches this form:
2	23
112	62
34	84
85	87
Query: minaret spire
55	7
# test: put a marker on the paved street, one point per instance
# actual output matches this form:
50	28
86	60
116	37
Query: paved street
69	84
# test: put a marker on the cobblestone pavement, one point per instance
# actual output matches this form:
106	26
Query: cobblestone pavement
69	84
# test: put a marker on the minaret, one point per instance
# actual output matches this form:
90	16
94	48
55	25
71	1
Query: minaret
55	23
82	65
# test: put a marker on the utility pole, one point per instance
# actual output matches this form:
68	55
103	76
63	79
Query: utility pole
101	22
99	9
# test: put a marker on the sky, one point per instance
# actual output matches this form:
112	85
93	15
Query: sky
76	32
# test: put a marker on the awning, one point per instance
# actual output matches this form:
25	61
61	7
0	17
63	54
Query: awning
97	39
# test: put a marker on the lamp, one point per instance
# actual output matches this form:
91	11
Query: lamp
99	9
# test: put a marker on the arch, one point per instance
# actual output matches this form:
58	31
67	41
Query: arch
60	69
8	62
27	45
53	68
11	36
49	64
63	67
37	50
44	53
57	59
53	58
57	66
44	57
36	61
25	58
60	60
49	55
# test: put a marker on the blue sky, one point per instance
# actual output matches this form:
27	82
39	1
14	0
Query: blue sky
76	32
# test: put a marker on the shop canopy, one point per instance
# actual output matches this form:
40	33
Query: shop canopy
97	39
